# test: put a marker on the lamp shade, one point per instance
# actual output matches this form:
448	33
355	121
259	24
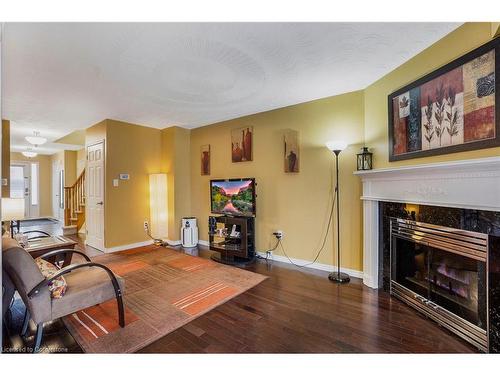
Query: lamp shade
158	205
12	209
336	145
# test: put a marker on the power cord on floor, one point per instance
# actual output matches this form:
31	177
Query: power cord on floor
269	251
158	241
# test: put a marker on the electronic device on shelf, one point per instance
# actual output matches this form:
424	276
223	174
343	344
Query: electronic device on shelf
233	238
232	234
234	197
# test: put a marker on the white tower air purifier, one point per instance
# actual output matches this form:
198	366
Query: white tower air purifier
189	232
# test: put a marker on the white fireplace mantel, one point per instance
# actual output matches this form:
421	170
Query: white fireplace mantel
472	184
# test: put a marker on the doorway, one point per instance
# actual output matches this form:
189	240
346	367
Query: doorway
94	214
25	183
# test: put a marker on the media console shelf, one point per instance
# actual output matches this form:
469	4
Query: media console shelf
233	237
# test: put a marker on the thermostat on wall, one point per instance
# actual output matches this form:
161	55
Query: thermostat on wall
124	176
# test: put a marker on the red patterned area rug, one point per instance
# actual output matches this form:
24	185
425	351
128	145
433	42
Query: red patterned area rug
164	290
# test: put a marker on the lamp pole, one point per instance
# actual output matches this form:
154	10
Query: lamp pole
338	277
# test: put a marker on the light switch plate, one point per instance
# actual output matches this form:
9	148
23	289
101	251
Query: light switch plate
115	182
124	176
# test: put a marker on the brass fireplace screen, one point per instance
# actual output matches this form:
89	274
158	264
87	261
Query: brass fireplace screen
442	272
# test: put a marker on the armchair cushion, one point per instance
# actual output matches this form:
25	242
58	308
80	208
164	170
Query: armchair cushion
25	275
86	287
57	286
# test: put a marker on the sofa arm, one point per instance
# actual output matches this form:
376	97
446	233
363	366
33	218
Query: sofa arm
64	251
33	292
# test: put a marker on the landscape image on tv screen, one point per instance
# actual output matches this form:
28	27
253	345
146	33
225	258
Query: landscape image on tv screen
233	197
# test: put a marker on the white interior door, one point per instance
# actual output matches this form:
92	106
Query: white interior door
25	184
94	214
58	190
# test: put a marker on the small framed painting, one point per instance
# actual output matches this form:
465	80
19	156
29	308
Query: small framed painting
242	144
205	160
452	109
291	151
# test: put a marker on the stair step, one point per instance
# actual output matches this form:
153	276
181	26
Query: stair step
73	219
78	212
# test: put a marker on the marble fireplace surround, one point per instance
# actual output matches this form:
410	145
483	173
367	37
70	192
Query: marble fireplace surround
468	184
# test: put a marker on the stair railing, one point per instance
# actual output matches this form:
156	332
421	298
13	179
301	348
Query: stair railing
74	202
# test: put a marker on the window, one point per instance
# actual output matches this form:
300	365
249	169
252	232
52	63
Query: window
16	181
34	184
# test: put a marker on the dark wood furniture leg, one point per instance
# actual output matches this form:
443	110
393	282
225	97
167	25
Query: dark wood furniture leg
26	322
38	338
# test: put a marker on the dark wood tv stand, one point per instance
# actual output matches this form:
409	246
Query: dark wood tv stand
234	250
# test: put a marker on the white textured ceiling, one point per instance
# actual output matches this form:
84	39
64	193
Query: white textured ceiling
59	77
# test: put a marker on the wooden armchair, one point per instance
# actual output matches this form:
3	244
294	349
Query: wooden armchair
88	284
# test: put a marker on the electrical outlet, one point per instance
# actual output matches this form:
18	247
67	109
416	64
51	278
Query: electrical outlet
146	226
279	234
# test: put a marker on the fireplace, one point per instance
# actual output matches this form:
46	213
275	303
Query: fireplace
457	284
441	272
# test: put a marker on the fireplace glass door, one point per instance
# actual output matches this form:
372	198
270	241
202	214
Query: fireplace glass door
456	283
411	265
442	273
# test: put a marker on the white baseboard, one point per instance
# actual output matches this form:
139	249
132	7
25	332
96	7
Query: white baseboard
301	262
127	246
173	242
204	243
317	266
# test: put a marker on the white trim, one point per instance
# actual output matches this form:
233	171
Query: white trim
437	184
127	246
316	266
204	243
370	243
472	184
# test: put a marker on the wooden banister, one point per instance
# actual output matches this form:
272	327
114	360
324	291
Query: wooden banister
74	202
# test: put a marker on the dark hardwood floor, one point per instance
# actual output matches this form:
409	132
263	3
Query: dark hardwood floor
293	311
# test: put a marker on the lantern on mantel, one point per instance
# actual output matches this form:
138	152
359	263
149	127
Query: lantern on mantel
364	159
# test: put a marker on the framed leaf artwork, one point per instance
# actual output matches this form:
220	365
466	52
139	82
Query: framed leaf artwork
450	110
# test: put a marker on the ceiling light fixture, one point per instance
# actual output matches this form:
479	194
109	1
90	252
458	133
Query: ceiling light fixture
36	139
29	153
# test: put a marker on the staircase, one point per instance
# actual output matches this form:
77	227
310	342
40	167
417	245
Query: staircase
74	205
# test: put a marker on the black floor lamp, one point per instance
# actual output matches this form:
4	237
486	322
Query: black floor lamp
336	148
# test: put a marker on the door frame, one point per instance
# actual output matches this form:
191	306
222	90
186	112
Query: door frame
103	142
32	210
58	166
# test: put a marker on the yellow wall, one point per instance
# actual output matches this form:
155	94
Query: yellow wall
168	167
45	172
74	138
294	203
69	168
175	161
495	29
455	44
81	159
134	150
68	160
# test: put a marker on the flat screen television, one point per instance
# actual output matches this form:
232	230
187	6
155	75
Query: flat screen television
234	196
